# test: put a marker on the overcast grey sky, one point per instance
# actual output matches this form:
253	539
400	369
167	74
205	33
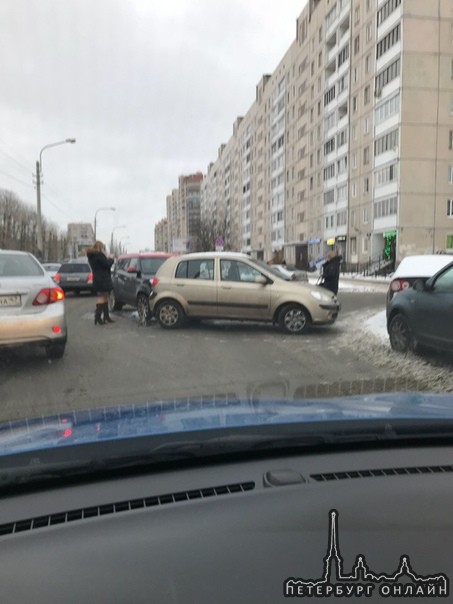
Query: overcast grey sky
149	88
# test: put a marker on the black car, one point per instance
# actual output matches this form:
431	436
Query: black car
131	279
423	314
75	276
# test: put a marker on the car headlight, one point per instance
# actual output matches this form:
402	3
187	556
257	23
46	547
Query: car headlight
320	296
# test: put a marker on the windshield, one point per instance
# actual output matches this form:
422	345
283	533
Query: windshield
232	136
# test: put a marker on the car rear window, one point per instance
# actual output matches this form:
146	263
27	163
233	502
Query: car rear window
74	268
150	266
12	265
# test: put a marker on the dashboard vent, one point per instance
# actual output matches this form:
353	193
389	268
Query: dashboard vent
29	524
381	472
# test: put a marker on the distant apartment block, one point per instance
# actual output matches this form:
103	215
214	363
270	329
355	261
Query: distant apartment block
348	144
80	236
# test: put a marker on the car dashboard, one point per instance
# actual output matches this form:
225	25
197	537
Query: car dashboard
236	531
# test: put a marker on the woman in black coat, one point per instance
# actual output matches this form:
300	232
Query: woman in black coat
331	272
102	281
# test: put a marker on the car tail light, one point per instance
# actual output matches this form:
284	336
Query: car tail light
90	277
154	281
49	295
57	278
398	285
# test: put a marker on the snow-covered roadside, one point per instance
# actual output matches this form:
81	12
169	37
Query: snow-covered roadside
353	285
369	338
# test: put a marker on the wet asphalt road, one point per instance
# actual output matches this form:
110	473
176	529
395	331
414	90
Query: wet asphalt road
126	362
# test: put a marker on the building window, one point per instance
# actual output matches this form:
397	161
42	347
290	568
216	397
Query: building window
356	45
343	55
366	185
387	74
357	15
388	41
366	156
329	196
368	64
369	32
365	215
385	207
386	10
354	190
365	245
450	139
354	103
353	246
387	109
450	208
386	143
366	95
366	126
449	245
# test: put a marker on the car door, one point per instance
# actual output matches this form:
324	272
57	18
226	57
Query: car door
433	312
130	280
239	295
119	279
194	281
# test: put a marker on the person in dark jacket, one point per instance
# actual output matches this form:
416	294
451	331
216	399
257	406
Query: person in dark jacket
331	272
102	281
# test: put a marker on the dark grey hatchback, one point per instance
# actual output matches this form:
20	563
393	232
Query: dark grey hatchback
131	280
423	314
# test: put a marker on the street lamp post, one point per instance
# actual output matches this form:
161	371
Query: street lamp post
109	209
123	226
38	191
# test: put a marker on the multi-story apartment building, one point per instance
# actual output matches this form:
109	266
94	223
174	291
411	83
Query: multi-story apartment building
161	235
80	236
349	142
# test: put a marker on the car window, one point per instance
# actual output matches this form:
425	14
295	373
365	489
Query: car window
150	266
133	263
19	266
444	283
195	269
75	268
233	270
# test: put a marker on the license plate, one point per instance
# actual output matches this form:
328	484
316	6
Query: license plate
73	279
10	301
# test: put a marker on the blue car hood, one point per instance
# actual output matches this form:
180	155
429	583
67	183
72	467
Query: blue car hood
206	413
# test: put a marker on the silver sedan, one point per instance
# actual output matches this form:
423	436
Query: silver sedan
31	304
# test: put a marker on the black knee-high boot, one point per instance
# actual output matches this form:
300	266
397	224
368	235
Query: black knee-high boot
98	320
107	318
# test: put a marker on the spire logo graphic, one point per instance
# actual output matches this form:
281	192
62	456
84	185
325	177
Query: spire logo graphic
363	582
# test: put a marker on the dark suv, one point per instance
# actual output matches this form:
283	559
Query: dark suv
131	279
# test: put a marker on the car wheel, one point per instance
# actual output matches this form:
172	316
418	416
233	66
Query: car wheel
294	319
55	350
113	302
170	314
401	338
144	314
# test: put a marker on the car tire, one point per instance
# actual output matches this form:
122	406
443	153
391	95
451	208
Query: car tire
400	334
55	350
114	304
144	314
170	314
294	319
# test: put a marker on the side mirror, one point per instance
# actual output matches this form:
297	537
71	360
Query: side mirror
262	280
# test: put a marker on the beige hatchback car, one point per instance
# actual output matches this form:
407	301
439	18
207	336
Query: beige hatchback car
224	285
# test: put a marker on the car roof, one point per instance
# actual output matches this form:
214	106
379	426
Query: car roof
4	252
202	255
146	255
425	265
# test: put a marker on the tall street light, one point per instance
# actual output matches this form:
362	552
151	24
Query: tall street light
108	209
123	226
38	190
